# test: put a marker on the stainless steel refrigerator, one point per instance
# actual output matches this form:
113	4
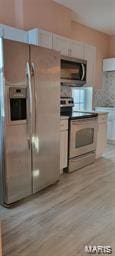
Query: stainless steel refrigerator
29	119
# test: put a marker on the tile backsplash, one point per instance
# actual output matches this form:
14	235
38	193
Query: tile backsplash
66	91
105	96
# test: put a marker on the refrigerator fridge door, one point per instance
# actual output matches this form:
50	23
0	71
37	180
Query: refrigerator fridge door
17	172
45	137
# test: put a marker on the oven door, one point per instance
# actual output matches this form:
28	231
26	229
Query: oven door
83	136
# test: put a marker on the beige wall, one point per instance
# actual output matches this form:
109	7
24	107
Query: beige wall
48	15
7	12
112	46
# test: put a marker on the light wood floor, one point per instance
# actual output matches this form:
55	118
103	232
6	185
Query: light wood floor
78	211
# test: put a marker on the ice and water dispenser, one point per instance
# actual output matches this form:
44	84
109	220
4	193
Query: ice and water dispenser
18	103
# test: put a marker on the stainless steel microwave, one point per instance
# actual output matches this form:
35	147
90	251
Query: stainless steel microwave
73	71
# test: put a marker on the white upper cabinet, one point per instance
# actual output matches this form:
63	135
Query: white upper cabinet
68	47
61	44
90	56
40	37
109	64
76	49
14	34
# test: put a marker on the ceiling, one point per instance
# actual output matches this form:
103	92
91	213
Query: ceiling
97	14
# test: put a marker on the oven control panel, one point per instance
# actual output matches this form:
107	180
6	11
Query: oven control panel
66	102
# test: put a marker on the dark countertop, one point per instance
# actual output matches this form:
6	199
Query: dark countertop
81	115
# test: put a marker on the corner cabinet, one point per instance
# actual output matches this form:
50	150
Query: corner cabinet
63	144
40	37
90	56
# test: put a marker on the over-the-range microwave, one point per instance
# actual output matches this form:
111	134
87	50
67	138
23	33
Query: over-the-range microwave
73	71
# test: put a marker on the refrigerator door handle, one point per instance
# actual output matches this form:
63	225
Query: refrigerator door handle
30	104
29	87
35	115
35	97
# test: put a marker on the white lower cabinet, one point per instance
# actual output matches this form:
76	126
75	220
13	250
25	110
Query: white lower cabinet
63	144
109	130
110	122
101	135
112	128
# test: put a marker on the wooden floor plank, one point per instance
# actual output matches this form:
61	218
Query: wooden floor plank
60	221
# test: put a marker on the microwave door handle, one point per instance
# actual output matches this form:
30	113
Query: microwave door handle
83	72
29	119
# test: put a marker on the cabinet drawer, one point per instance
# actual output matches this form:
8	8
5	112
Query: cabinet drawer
63	125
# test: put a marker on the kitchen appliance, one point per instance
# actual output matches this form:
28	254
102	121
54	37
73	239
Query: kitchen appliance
82	135
73	71
29	119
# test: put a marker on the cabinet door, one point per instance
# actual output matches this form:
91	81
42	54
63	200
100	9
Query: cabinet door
40	37
61	44
63	149
45	39
90	56
15	34
101	139
113	130
109	130
76	49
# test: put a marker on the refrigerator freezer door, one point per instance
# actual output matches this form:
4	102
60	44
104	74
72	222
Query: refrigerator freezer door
17	178
46	122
